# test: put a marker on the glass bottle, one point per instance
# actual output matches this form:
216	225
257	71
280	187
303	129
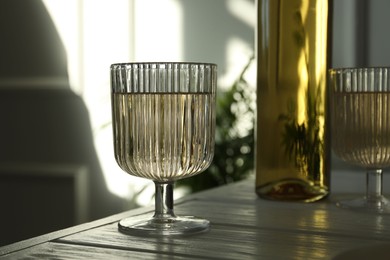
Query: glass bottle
292	148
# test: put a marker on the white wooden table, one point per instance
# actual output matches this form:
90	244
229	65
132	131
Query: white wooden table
243	227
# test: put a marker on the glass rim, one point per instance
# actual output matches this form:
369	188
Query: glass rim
360	79
355	69
155	77
127	64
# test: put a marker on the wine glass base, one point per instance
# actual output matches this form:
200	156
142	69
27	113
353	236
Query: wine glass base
172	226
379	206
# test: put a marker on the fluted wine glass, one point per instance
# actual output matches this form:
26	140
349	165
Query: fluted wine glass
361	128
164	130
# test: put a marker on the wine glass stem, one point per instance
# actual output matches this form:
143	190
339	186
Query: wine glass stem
374	185
164	200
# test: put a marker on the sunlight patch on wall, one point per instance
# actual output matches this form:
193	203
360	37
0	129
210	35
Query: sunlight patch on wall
158	30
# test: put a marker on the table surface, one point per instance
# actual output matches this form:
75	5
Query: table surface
243	227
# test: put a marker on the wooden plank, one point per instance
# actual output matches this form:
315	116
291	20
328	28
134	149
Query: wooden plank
224	242
268	230
52	250
235	192
322	217
239	202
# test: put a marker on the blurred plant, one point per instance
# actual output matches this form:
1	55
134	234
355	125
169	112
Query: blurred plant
234	144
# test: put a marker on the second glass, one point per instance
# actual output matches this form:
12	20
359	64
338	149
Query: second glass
361	128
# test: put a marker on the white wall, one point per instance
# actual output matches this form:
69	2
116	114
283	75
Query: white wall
361	33
379	33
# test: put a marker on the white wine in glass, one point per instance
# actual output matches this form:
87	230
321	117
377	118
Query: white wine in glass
164	130
361	128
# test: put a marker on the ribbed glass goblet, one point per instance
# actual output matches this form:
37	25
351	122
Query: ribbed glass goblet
164	125
361	128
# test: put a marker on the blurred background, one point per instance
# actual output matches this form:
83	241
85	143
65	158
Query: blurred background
57	166
99	33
